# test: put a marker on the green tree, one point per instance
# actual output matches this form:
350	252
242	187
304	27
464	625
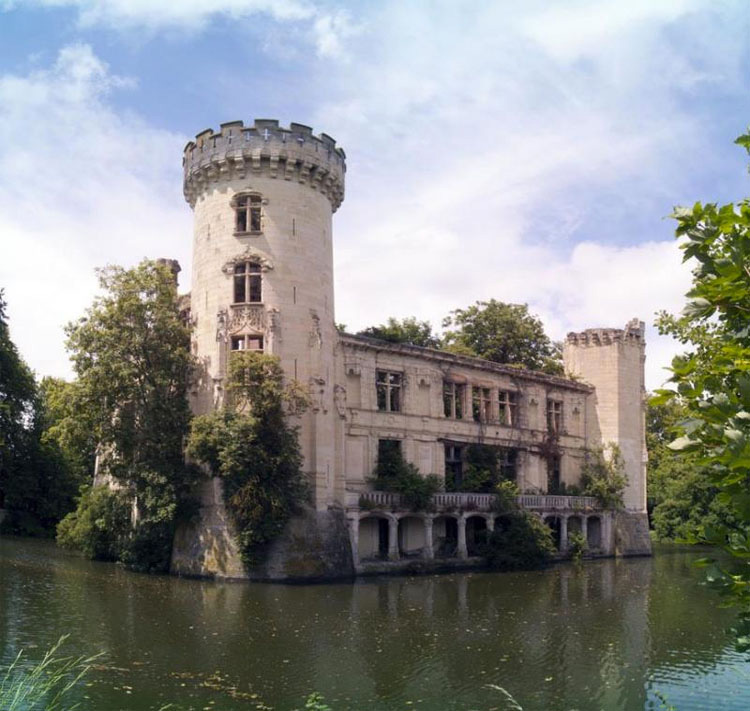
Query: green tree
681	497
712	377
254	449
17	406
503	333
408	330
132	358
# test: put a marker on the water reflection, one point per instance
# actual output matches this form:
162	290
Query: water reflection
602	636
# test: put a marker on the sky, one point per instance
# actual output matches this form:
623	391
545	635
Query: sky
529	151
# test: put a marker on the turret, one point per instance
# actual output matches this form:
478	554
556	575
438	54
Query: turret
612	360
263	198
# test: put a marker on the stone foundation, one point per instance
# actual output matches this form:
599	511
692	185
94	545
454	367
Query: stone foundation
631	534
314	545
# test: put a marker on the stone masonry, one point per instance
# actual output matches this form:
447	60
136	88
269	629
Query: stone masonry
263	197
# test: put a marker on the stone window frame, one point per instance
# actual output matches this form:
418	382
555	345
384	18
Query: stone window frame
389	384
555	415
240	342
248	212
508	407
481	403
454	399
251	279
454	461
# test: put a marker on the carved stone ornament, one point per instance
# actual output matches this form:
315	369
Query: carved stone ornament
339	399
222	322
317	394
316	337
249	255
245	317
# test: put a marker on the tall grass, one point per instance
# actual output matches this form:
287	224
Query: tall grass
43	685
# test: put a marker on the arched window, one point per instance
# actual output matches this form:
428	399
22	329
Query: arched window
247	211
248	283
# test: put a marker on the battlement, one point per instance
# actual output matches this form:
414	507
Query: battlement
634	333
265	148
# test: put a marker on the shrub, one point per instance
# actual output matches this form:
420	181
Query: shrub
100	526
507	493
577	545
393	473
520	541
602	476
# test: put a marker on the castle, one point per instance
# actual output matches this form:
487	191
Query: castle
263	197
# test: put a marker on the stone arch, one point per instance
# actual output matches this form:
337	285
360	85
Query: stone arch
476	532
594	532
445	535
411	535
555	524
374	536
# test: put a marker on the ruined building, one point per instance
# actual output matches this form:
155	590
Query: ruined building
263	197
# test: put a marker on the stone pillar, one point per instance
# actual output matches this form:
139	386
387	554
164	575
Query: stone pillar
563	534
429	552
490	524
585	529
354	538
461	550
393	539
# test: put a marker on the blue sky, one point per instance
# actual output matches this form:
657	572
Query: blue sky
528	152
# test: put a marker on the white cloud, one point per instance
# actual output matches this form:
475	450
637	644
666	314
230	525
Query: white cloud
327	30
487	158
80	186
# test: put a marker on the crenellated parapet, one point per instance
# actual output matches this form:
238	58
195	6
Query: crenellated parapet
634	333
238	151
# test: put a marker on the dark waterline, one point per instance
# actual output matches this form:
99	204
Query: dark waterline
606	635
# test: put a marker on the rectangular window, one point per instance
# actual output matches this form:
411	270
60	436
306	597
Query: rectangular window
390	458
453	400
247	209
481	404
454	464
247	343
507	461
388	389
508	403
248	283
553	474
554	415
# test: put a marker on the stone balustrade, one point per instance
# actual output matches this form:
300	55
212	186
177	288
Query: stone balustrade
462	501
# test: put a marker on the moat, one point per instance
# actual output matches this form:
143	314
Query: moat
611	634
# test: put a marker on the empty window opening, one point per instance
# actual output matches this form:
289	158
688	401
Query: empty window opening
248	282
388	388
554	415
508	403
453	400
454	466
554	478
481	404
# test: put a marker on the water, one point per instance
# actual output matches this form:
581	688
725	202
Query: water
608	635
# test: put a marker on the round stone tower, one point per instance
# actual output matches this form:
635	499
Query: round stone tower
263	198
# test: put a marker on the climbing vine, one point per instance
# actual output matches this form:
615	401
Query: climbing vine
252	446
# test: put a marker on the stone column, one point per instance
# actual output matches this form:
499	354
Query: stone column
563	534
429	552
585	529
393	539
490	524
354	538
461	550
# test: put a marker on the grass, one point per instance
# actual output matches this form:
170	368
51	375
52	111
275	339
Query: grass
45	685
